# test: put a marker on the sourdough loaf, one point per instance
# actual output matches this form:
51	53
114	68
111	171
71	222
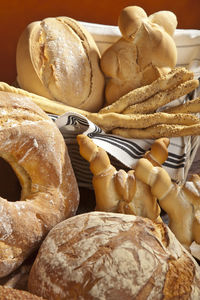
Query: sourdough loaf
101	255
58	58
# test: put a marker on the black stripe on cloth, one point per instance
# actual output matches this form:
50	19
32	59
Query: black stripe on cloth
53	117
109	137
173	166
129	147
74	120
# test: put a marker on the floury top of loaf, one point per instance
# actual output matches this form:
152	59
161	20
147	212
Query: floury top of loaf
101	255
58	58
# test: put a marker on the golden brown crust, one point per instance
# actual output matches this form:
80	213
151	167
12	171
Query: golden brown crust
190	106
107	255
45	104
181	271
157	131
70	73
32	144
162	98
13	294
120	191
145	51
163	83
114	120
180	202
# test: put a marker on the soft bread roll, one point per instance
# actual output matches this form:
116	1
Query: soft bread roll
113	256
58	58
13	294
33	146
145	51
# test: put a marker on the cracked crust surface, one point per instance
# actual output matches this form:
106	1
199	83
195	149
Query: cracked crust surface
111	256
33	146
58	58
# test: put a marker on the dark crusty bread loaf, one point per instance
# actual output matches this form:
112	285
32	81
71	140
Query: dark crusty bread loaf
101	255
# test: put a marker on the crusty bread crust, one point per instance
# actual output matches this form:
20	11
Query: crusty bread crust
58	58
32	144
14	294
102	255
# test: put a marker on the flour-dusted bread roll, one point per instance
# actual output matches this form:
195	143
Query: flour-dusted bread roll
58	58
101	255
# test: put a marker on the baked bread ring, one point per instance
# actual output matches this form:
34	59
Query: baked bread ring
33	146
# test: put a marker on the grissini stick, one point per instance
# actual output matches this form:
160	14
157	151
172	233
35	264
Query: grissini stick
163	83
190	106
157	131
162	98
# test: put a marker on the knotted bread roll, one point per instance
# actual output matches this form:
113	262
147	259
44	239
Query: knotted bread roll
145	51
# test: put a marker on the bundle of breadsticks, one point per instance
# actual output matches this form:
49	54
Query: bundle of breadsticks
137	191
142	106
136	115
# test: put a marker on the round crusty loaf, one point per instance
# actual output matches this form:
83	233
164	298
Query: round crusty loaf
101	255
33	146
7	293
58	58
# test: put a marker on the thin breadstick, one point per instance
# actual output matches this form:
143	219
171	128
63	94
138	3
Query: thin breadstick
158	131
162	98
191	106
114	120
169	81
49	106
105	121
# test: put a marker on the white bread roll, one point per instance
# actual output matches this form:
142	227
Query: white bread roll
101	255
58	58
145	51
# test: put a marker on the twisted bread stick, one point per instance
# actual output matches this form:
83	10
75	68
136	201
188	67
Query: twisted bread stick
118	191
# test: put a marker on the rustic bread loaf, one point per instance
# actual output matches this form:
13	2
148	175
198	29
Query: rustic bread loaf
101	255
58	58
